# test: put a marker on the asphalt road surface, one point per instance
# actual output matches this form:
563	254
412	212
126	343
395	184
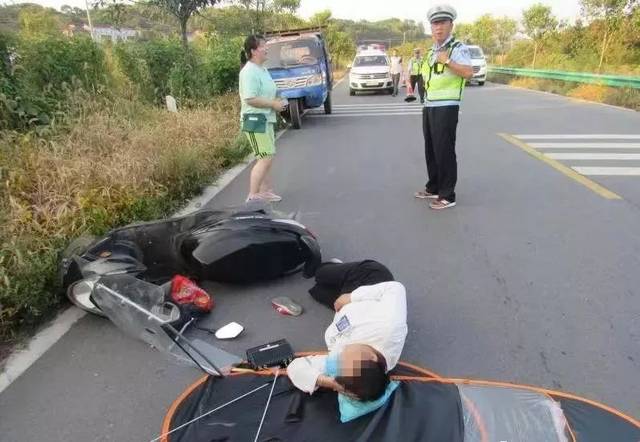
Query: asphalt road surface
533	277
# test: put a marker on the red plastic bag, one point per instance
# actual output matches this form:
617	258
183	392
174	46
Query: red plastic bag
186	292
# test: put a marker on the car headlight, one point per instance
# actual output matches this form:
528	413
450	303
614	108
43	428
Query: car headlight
314	80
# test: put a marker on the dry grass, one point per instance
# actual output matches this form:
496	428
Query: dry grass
107	159
624	97
338	74
524	82
590	92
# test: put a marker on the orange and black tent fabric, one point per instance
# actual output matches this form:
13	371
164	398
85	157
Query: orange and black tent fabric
426	407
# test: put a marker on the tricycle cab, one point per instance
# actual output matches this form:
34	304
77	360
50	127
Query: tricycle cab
299	63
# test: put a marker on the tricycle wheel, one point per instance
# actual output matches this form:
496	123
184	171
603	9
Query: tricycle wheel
327	104
295	111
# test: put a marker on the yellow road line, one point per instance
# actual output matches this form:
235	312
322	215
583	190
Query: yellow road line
567	171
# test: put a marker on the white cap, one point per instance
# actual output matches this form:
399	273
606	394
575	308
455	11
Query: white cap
441	12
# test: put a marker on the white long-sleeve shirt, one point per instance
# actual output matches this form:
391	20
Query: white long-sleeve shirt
376	316
396	65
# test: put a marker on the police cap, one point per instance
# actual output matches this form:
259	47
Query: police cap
441	12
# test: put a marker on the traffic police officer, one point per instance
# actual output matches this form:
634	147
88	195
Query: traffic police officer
445	70
415	73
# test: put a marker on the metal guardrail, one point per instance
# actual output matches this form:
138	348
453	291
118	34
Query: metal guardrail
578	77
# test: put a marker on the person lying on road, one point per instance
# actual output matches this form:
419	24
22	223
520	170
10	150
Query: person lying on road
367	334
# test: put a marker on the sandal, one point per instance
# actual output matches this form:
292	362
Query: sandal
423	194
270	196
254	198
442	204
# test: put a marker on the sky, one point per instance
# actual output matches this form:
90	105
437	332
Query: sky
468	10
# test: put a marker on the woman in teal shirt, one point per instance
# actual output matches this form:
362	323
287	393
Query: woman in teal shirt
258	102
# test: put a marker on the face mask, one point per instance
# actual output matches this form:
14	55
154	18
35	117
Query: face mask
332	365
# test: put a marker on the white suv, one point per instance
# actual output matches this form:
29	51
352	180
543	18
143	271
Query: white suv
370	71
479	64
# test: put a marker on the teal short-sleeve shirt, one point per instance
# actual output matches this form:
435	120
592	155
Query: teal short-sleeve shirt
255	81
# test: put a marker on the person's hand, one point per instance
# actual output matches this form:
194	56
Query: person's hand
279	105
329	383
443	56
342	301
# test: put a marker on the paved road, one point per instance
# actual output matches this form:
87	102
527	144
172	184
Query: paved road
533	278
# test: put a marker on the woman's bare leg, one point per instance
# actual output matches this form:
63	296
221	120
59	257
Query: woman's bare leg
267	184
258	173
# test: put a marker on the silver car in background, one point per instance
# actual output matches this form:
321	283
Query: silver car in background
479	64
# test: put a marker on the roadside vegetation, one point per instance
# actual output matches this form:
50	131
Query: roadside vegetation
604	40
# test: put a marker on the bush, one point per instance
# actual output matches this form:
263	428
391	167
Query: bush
8	88
223	65
148	65
161	56
40	74
188	82
131	61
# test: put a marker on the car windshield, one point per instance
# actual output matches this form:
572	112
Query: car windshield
476	53
370	60
285	54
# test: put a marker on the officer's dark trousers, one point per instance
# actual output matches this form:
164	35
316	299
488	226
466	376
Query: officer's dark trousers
333	280
419	81
439	126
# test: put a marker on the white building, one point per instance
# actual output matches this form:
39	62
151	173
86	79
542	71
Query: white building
101	33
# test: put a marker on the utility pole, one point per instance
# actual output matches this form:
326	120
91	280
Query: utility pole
86	4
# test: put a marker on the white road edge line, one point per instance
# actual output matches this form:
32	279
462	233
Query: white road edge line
19	361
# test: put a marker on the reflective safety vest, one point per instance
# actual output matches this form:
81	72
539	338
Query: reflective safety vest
416	66
441	84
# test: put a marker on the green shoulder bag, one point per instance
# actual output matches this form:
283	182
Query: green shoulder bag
256	123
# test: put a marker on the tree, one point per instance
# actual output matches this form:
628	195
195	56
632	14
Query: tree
483	33
505	31
538	21
290	6
265	7
463	32
183	10
611	13
340	44
36	21
322	18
